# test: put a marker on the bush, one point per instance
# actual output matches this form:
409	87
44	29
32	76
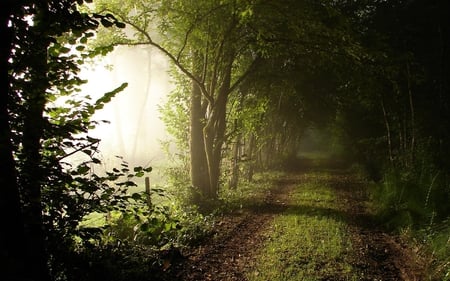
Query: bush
412	198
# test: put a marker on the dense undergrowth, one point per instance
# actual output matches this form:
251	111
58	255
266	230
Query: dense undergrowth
414	202
139	240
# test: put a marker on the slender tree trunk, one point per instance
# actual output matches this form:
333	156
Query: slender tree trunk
213	138
234	179
412	114
32	175
30	183
214	132
250	157
403	138
266	153
388	131
198	164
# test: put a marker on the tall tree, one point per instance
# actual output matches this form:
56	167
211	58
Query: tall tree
206	42
217	44
12	254
35	65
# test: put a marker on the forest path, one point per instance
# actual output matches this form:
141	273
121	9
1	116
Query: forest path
376	255
232	252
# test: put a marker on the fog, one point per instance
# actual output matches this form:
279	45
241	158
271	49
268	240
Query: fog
135	129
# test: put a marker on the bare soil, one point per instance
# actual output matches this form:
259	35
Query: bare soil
230	251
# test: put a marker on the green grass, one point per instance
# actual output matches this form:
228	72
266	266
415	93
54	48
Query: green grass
308	241
436	249
248	194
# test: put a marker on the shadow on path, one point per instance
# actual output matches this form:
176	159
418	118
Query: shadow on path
230	252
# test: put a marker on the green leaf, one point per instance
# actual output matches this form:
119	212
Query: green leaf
109	95
106	23
120	24
83	169
130	183
145	227
167	226
136	196
64	50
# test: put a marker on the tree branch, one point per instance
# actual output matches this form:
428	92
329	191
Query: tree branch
78	150
169	55
245	74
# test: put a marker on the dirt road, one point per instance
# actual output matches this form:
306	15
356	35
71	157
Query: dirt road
231	252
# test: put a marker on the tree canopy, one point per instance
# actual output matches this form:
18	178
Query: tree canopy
252	78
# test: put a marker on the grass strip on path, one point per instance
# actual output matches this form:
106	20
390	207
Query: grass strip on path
307	241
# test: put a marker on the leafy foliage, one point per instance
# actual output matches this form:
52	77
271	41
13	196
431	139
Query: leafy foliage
256	75
54	158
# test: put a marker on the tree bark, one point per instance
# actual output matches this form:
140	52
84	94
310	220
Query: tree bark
412	114
234	179
198	164
388	132
12	253
250	157
214	132
30	183
32	175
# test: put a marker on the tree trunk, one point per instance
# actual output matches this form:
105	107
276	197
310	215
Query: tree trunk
12	249
30	183
32	175
236	150
214	133
250	157
388	132
412	114
234	179
213	147
198	164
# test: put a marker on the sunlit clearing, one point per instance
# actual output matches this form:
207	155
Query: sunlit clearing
135	129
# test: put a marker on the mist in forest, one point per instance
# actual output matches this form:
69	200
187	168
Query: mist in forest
135	129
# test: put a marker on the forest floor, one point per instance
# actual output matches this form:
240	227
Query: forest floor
235	249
